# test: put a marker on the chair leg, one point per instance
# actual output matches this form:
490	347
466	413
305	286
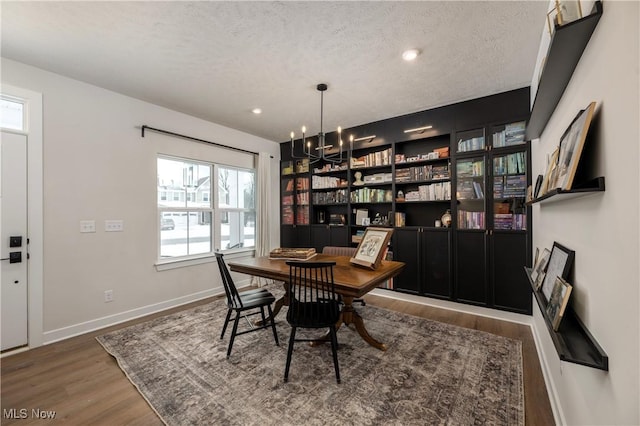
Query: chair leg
264	319
226	322
292	338
233	333
273	325
334	349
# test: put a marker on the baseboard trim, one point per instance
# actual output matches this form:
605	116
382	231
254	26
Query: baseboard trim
110	320
457	307
556	407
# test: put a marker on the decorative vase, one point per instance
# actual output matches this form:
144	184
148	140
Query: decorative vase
446	219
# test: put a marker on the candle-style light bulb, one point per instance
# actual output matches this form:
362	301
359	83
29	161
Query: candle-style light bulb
292	135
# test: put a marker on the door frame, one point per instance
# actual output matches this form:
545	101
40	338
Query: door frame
35	200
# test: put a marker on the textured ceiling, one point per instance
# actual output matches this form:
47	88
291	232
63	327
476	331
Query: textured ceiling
219	60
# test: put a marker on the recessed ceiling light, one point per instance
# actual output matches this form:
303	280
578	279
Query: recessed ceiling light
257	111
410	55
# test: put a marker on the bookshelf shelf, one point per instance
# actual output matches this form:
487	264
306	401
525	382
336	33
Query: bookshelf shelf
565	49
589	188
572	341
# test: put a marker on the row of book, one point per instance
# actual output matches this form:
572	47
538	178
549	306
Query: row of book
471	144
513	134
287	215
510	221
470	168
379	158
300	166
340	196
302	198
469	189
331	167
433	192
509	186
433	155
510	164
321	182
378	178
371	195
302	184
287	200
470	220
421	173
302	216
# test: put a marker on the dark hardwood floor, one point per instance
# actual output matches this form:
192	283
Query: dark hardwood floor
83	384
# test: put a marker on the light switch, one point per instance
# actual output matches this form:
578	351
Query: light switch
113	225
87	226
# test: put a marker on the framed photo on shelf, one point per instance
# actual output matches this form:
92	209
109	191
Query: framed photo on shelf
568	11
539	268
560	262
549	176
571	145
558	302
372	247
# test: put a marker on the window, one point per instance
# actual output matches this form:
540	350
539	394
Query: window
236	207
12	114
185	224
188	221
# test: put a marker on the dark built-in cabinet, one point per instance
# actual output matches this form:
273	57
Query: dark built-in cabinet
467	161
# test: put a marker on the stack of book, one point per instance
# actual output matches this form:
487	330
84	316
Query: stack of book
292	253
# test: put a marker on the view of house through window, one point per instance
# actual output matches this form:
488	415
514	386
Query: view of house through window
185	211
236	207
188	223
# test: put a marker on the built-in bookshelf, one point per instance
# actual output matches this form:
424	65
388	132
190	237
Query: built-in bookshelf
415	182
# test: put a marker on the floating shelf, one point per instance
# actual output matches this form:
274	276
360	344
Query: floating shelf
565	49
555	195
573	341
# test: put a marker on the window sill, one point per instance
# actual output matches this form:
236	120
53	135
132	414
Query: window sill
167	264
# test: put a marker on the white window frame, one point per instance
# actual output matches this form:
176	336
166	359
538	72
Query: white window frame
165	263
219	211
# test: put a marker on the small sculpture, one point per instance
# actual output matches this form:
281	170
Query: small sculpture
358	180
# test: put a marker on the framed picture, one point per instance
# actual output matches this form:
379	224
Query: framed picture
558	302
560	263
545	186
571	145
539	268
568	11
372	247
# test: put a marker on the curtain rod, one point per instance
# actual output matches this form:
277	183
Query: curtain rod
178	135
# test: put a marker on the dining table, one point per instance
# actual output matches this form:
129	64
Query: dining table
351	281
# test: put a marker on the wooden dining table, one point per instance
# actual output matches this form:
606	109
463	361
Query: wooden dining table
351	282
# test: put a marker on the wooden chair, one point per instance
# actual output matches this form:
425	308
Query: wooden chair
343	251
313	303
242	303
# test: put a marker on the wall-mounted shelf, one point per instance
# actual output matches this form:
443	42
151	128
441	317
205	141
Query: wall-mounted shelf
555	195
573	341
565	49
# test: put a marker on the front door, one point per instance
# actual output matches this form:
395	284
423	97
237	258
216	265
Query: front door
13	241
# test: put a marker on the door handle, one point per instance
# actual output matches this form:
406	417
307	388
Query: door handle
14	257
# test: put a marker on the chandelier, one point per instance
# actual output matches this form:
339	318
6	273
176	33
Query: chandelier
321	147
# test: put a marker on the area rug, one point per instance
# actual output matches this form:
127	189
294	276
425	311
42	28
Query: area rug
431	374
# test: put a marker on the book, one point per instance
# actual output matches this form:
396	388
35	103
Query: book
292	253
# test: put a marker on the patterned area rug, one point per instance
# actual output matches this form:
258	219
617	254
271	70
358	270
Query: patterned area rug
432	373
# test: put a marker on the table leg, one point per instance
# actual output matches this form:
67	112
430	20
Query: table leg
283	301
350	316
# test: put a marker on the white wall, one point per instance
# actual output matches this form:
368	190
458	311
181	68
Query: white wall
97	166
602	228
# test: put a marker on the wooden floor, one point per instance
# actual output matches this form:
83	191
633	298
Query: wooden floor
78	380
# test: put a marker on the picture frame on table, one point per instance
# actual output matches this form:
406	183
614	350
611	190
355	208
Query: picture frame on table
571	144
558	302
560	263
372	247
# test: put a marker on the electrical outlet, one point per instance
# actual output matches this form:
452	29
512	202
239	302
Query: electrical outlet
108	296
113	225
87	226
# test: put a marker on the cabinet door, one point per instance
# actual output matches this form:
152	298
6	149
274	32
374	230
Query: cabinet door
406	249
471	280
436	266
339	236
471	193
320	237
288	236
511	289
